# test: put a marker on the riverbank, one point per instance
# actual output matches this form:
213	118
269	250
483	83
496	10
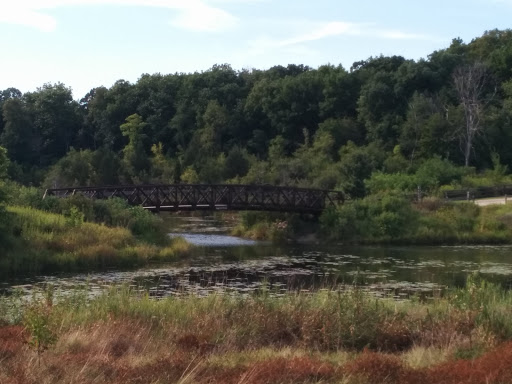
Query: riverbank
389	220
324	337
44	242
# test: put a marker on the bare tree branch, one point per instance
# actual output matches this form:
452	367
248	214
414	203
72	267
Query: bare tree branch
471	83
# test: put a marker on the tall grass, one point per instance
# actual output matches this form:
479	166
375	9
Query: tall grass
323	337
47	242
325	320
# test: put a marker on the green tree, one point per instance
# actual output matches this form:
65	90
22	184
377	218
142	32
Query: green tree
189	176
135	158
7	94
356	165
237	163
76	169
162	168
56	120
18	135
4	219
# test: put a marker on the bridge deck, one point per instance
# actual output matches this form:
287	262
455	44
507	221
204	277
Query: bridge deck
180	197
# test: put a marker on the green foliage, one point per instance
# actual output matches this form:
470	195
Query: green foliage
4	163
83	168
390	218
38	322
135	158
114	213
375	132
75	218
294	125
163	170
436	172
499	170
356	165
388	182
382	217
237	163
276	227
49	242
190	176
4	217
74	170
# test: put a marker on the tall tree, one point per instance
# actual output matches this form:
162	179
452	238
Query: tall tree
18	135
4	165
135	158
56	120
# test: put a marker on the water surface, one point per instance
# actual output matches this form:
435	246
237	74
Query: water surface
226	264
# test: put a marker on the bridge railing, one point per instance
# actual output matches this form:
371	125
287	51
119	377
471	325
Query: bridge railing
478	193
212	197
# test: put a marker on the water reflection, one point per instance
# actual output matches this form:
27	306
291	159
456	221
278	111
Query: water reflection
210	240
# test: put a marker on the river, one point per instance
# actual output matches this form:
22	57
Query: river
225	264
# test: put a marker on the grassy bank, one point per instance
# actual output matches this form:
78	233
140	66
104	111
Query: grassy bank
391	219
325	337
41	241
388	219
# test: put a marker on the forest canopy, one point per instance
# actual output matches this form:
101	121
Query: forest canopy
383	123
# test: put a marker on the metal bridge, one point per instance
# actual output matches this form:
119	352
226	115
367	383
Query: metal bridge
192	197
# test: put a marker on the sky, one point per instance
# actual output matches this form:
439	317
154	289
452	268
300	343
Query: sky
90	43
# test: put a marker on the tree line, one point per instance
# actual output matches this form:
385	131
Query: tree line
383	121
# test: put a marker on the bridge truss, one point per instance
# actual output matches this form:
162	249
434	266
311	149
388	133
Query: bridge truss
182	197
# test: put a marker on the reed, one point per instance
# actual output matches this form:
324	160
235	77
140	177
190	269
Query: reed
322	337
49	242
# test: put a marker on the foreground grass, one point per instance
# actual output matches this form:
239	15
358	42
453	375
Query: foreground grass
48	242
325	337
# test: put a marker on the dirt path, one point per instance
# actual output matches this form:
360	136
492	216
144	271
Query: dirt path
494	200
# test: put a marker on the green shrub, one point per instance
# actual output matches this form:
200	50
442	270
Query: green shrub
381	217
386	182
436	172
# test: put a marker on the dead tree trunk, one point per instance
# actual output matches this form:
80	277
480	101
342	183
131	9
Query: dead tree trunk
470	83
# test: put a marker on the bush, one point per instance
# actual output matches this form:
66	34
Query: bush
436	172
386	182
375	218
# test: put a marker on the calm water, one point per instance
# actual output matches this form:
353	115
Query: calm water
226	264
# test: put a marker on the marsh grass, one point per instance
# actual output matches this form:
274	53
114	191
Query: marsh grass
124	336
48	242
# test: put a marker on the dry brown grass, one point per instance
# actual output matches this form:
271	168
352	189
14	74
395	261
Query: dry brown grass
121	337
141	352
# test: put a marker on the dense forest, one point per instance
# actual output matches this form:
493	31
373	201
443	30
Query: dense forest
386	121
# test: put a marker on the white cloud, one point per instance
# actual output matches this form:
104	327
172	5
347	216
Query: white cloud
27	17
319	31
194	15
203	17
322	32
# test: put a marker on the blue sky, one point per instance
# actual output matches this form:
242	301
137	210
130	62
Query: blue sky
88	43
